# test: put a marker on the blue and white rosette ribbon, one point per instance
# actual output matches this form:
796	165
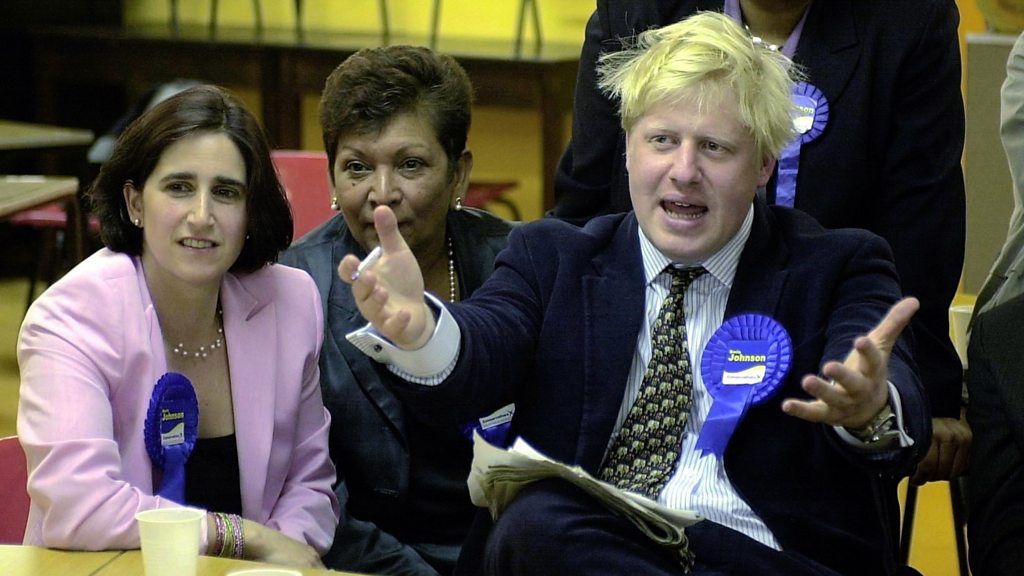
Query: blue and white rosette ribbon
171	429
809	122
494	427
744	364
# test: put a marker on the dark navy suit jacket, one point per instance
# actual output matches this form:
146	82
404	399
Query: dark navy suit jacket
555	327
888	160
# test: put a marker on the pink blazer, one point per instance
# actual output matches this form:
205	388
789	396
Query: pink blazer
90	352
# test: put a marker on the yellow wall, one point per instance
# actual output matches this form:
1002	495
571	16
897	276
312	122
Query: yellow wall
505	141
970	21
561	21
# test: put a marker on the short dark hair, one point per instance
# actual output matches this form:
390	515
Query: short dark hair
372	86
138	149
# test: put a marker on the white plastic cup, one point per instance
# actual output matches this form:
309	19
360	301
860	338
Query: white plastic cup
170	540
959	320
265	572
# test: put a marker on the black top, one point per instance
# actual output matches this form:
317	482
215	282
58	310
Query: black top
436	506
212	480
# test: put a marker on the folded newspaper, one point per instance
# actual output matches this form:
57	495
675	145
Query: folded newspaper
497	475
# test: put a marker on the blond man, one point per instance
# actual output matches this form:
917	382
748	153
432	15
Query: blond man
610	354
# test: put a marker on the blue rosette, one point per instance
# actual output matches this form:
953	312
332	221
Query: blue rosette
494	427
744	363
170	432
809	121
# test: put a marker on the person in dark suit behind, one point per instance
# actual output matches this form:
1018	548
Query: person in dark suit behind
572	327
995	491
995	377
887	158
401	479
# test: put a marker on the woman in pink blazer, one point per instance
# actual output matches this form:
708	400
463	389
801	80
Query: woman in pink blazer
192	218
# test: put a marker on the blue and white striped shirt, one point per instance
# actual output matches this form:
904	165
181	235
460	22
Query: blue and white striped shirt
699	482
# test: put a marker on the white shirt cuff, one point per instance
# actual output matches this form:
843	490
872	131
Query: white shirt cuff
896	437
430	364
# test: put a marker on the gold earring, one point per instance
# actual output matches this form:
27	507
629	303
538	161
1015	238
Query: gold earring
334	204
458	202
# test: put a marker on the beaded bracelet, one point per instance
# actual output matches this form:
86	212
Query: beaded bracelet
218	544
230	543
230	540
239	551
229	536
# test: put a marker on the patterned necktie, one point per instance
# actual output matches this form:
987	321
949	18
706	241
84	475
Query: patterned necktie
644	454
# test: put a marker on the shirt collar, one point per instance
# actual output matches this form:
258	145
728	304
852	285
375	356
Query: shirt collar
721	265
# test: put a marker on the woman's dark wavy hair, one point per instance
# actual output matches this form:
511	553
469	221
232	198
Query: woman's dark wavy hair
372	86
195	110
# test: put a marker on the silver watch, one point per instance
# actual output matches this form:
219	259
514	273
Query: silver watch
876	429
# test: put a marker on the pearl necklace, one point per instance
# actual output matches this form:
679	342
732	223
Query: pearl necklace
203	351
758	41
451	272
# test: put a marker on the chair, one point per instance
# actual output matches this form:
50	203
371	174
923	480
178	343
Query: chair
14	498
958	505
51	221
307	184
959	321
524	7
479	194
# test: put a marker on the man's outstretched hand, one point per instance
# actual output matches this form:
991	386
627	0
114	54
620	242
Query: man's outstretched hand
389	294
851	393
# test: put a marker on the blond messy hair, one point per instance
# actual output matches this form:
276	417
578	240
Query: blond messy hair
705	57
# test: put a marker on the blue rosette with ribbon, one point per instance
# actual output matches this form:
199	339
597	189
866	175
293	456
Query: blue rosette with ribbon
494	427
744	364
809	122
170	431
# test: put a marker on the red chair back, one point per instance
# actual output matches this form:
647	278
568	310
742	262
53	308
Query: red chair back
14	500
307	183
52	215
480	194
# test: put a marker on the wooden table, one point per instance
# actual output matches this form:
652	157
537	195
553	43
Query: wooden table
19	193
129	563
33	561
25	136
284	65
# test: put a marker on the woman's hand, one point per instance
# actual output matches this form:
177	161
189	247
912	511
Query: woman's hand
389	294
265	544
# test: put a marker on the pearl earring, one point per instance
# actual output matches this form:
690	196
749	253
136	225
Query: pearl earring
138	222
458	202
334	204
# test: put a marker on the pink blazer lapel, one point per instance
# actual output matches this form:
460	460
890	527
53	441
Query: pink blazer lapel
251	336
150	372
